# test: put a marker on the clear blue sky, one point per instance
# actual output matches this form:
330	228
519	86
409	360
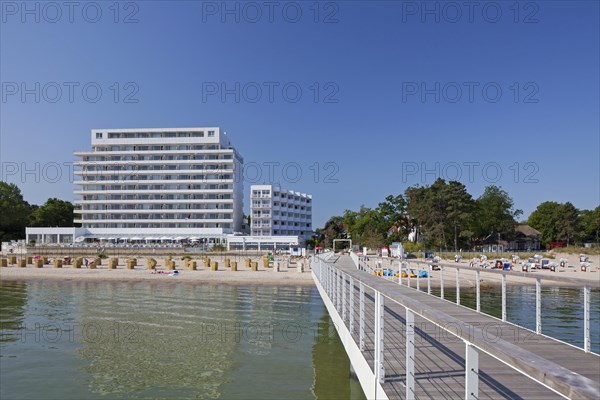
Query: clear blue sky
376	117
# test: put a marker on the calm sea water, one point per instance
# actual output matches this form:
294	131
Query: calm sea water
116	340
562	310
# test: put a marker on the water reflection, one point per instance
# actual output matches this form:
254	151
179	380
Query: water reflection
328	349
13	297
141	340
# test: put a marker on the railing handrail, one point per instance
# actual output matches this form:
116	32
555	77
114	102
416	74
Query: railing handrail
547	373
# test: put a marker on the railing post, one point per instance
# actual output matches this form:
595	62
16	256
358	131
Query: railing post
400	273
538	305
458	286
343	297
351	288
503	296
478	286
410	355
586	319
338	294
378	339
361	317
333	286
327	281
441	282
320	273
418	280
330	279
429	280
471	372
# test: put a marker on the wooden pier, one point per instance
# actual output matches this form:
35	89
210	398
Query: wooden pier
456	352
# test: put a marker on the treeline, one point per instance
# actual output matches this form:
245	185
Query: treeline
16	213
445	216
564	223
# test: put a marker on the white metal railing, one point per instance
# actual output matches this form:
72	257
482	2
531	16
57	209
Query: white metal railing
362	265
340	286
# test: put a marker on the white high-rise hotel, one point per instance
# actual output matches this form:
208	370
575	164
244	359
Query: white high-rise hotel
175	182
157	185
276	211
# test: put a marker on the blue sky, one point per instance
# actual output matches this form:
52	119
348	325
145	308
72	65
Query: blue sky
393	93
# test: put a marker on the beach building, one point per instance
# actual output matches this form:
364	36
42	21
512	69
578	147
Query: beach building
167	185
156	183
276	211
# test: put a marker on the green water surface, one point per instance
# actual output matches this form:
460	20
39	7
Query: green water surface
120	340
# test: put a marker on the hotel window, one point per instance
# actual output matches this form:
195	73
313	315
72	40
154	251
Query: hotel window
211	133
98	135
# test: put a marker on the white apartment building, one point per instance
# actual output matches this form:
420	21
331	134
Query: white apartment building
176	182
277	212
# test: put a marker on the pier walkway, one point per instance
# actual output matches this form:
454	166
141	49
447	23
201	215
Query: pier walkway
407	344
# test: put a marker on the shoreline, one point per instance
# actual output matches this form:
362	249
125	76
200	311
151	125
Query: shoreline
206	276
262	277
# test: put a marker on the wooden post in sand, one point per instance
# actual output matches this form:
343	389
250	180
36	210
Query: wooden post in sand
22	263
254	266
130	264
3	262
207	262
112	263
214	266
12	260
58	263
248	263
266	262
227	262
38	263
192	265
29	260
233	265
170	264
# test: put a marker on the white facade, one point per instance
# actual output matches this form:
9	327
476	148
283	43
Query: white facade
261	243
176	182
279	212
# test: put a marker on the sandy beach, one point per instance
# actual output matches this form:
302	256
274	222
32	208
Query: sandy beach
570	276
563	277
286	276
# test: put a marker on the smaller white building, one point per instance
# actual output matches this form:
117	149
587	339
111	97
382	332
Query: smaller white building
279	212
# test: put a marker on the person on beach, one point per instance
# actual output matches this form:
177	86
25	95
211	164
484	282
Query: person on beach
85	262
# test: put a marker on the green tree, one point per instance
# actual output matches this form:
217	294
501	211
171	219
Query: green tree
55	213
392	214
590	225
546	219
371	236
14	212
494	213
569	223
332	230
564	222
441	211
459	205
